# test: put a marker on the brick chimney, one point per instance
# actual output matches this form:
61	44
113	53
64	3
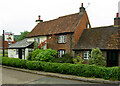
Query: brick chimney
39	20
117	20
82	9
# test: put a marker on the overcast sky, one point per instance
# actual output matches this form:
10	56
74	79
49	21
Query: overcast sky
19	15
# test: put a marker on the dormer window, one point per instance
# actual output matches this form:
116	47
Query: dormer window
62	39
87	25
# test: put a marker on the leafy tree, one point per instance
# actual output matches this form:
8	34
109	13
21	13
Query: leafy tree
78	60
97	58
22	36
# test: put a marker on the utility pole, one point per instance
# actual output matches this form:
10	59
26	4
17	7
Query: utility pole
3	44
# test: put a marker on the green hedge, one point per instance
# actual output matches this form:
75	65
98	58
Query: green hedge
84	70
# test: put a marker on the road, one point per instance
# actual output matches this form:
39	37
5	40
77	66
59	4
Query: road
17	77
10	76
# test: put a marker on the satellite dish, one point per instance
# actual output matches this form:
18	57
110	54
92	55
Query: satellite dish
88	5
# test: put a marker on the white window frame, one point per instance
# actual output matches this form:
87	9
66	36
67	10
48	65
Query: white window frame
86	54
37	40
61	52
62	39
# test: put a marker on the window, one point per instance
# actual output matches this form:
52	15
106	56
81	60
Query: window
16	51
61	52
86	54
37	40
30	50
62	39
23	51
87	25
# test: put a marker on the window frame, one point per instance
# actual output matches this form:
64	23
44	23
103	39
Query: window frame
62	39
86	54
60	52
37	40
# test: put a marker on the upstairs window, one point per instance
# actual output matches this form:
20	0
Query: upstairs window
62	39
61	52
87	25
37	40
86	54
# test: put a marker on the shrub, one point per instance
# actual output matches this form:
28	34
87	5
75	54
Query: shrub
97	58
78	60
47	55
14	62
66	58
84	70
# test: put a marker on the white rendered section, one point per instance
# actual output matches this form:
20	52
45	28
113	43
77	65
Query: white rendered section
12	53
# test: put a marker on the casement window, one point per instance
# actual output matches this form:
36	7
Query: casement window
62	39
23	51
61	52
37	40
87	25
86	54
30	50
16	51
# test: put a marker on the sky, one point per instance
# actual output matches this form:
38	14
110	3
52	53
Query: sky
19	15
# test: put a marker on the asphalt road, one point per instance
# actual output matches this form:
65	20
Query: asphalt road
10	76
17	77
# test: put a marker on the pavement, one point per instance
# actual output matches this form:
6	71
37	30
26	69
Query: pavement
69	77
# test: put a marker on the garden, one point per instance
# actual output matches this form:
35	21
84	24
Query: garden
44	60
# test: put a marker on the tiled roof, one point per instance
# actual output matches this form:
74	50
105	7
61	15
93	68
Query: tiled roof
101	37
60	25
21	44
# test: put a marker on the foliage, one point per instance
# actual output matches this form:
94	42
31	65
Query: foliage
78	60
66	58
84	70
14	62
35	45
22	36
47	55
42	55
97	58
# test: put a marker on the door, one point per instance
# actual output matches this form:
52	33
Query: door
112	58
20	53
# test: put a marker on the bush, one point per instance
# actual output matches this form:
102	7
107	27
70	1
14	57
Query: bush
66	58
42	55
84	70
78	60
14	62
47	55
97	58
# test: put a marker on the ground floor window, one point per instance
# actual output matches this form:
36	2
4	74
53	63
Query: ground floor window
30	50
86	54
61	52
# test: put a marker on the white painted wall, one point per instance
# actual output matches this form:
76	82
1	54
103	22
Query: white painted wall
41	38
12	53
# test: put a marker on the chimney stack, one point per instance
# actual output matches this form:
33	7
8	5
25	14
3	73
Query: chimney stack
117	20
39	19
82	9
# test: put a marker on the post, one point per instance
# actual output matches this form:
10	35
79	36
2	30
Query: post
3	45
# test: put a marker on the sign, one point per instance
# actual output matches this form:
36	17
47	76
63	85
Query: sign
9	36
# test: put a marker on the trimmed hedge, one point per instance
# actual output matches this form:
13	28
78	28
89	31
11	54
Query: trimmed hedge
84	70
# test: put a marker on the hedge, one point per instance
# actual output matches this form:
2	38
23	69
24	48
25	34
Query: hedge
83	70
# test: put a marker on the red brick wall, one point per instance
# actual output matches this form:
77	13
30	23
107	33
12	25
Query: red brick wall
81	26
53	44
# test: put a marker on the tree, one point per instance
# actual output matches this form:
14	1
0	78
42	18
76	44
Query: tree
22	36
97	58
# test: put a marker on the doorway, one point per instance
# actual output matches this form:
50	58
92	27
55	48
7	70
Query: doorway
112	58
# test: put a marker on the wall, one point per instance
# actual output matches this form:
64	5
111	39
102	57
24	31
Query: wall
53	43
12	53
41	38
81	26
